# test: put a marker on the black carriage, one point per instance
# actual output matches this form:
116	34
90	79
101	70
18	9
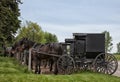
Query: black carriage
86	51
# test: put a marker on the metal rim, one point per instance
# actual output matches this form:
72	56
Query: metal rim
65	64
105	63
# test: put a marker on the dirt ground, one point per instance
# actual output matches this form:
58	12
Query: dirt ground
117	73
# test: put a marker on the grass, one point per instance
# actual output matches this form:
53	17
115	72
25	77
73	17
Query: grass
10	65
11	71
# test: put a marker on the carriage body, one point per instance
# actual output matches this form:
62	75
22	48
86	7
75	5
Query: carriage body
86	50
89	44
86	45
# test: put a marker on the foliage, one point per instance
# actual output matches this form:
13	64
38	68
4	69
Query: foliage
108	41
34	32
31	31
9	22
50	37
118	48
11	71
117	56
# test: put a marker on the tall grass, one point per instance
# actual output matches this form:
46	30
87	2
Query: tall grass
10	65
12	71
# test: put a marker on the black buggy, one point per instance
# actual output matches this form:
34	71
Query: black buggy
86	51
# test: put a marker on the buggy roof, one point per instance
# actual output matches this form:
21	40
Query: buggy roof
69	40
84	34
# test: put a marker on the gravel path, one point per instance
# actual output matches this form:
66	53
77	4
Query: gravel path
117	73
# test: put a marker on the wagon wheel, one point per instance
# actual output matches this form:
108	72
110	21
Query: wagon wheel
105	63
65	64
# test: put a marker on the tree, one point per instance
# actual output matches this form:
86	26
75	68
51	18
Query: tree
118	48
108	41
9	22
50	37
34	32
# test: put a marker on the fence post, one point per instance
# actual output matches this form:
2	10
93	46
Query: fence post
24	57
29	62
17	56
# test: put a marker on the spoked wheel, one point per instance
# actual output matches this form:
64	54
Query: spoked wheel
105	63
65	64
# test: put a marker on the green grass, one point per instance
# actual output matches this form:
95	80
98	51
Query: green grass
11	71
10	65
118	57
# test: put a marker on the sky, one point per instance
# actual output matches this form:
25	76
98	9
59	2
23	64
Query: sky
64	17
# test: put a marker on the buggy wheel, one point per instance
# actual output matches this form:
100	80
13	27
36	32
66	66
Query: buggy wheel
65	64
105	63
